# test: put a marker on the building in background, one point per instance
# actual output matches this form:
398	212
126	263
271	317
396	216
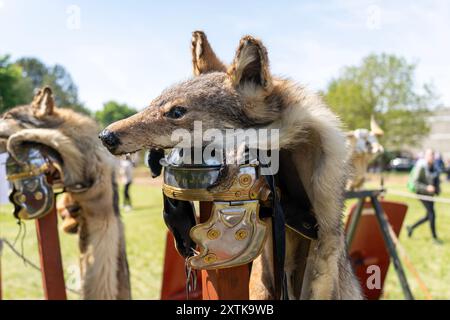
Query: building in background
439	137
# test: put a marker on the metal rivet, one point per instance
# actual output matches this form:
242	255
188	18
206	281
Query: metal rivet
210	258
245	180
22	198
38	195
213	234
241	234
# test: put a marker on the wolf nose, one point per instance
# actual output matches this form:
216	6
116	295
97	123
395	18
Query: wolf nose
109	139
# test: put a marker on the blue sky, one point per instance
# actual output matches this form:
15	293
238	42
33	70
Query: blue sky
129	51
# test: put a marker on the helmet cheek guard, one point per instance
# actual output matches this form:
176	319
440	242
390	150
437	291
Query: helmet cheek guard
32	198
234	235
31	193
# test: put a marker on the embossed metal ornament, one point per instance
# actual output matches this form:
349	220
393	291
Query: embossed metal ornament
241	236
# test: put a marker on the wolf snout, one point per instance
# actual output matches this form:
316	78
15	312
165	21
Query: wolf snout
109	139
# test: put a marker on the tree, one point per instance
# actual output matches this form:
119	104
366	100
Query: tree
383	86
14	88
57	77
113	111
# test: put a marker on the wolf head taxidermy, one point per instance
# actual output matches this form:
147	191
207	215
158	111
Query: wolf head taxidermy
312	155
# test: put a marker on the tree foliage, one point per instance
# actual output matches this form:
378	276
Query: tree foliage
14	88
383	86
113	111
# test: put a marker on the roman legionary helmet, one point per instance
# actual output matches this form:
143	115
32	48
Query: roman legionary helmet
31	193
234	233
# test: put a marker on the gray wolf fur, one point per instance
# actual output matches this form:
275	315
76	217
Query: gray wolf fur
246	95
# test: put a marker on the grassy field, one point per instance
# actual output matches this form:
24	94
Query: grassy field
429	259
145	234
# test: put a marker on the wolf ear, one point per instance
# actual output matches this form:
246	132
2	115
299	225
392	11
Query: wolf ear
43	103
204	59
251	65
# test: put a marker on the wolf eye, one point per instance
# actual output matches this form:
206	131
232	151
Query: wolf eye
176	112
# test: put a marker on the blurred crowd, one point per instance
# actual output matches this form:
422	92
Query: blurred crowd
126	165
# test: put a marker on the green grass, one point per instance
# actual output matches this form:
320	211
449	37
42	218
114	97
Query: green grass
145	234
430	260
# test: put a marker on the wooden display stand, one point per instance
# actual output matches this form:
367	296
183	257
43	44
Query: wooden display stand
50	257
220	284
369	238
223	284
174	275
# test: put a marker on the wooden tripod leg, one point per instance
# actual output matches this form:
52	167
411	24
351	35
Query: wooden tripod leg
390	245
223	284
50	256
353	223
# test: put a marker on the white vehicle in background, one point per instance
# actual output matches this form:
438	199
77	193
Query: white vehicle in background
401	164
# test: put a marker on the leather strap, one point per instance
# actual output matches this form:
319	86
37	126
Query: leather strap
297	207
179	217
154	156
279	241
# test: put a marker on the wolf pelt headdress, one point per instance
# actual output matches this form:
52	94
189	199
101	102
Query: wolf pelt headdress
313	148
85	162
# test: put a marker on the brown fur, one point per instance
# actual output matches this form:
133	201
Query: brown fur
248	96
203	57
101	236
69	211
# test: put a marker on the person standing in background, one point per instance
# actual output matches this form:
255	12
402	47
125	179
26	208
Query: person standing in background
424	180
448	169
439	164
126	172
